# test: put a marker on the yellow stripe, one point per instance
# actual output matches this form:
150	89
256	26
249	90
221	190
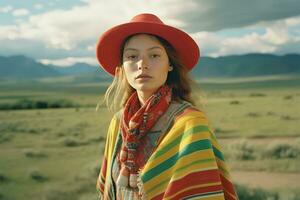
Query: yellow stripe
180	173
174	133
193	138
194	114
216	144
164	177
109	147
165	156
172	152
223	168
193	187
181	124
197	166
185	123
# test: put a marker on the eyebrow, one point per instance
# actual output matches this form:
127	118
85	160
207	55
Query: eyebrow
137	49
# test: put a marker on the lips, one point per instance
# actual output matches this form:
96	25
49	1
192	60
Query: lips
143	76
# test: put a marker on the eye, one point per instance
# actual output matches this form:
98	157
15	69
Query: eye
131	57
155	55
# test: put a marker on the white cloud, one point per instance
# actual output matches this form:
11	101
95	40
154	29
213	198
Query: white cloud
275	37
9	32
91	47
20	12
294	21
77	29
65	29
6	9
69	61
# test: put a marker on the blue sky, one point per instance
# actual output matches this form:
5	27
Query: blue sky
34	7
64	32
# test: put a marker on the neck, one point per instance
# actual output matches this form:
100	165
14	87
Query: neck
144	96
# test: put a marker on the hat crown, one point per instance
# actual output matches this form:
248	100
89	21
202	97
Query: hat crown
146	17
111	41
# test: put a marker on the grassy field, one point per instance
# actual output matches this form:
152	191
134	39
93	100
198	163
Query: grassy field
56	153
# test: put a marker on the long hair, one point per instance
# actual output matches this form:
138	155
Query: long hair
120	90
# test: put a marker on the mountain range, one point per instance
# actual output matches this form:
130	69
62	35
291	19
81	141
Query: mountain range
22	67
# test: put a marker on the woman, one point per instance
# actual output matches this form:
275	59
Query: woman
159	145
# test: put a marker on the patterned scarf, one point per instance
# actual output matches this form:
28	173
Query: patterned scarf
135	124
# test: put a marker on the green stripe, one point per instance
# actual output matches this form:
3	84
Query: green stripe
195	163
192	147
195	129
180	169
218	153
158	185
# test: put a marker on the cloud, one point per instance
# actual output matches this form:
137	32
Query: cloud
275	39
6	9
38	50
215	15
57	34
69	61
66	29
9	32
20	12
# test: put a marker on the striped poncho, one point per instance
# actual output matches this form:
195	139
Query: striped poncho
187	163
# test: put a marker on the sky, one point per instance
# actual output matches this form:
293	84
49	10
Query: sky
63	32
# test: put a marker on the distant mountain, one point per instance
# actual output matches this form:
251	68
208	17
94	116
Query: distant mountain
77	68
83	69
247	65
21	67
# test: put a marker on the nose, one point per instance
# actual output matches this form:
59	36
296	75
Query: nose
142	64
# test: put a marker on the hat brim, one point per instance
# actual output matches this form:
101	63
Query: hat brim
109	44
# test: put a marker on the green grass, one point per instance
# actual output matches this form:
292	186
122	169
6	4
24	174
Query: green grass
62	163
248	193
271	155
72	139
254	116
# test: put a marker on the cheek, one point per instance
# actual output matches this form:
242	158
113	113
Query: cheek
129	73
161	74
128	67
162	70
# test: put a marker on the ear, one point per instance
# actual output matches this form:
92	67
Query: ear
170	67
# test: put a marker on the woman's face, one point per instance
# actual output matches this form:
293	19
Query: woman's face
144	55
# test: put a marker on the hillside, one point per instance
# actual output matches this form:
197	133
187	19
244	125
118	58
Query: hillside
21	67
247	65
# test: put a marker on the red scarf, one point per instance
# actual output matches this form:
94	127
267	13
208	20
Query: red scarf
135	124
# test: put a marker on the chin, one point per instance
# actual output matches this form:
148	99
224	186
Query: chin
146	87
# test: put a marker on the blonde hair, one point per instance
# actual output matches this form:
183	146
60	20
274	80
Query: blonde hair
120	90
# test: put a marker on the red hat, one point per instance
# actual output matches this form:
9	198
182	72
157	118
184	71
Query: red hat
109	44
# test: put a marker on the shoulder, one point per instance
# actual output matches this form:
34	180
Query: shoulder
189	117
191	113
118	115
114	122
